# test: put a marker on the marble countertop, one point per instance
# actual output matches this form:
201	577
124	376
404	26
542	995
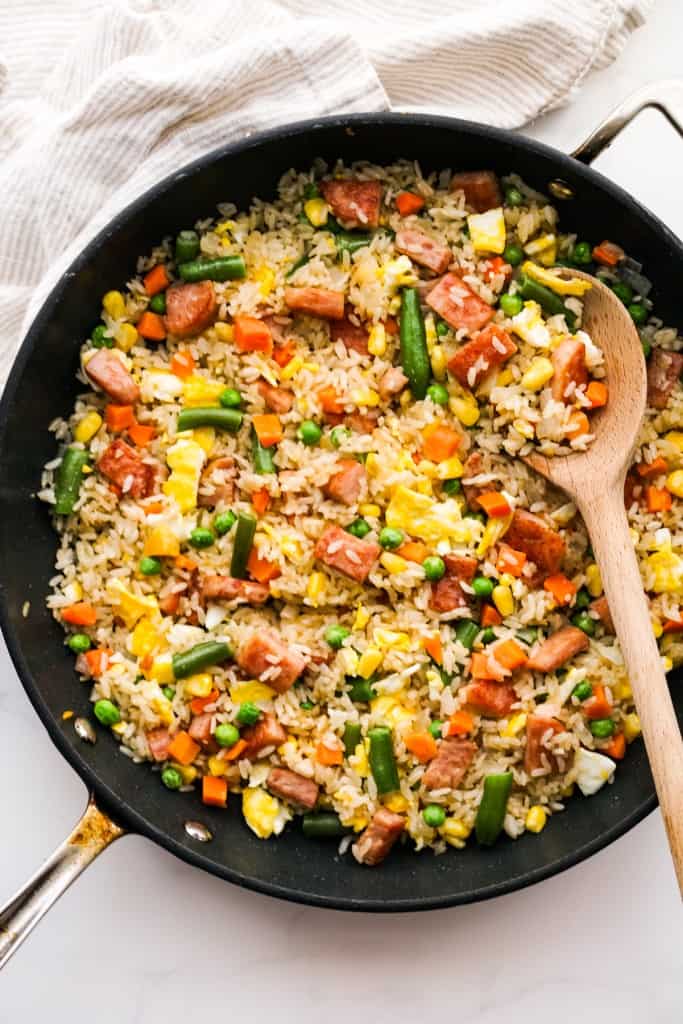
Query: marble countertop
142	935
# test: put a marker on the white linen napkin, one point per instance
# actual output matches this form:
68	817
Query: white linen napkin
100	99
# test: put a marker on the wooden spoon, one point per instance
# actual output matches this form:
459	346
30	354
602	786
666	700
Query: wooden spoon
594	479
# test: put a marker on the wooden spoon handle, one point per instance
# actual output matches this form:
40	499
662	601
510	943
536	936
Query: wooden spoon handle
605	518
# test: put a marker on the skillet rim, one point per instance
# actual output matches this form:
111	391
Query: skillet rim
121	810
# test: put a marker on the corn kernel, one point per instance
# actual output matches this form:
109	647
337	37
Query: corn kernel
396	802
119	728
674	483
524	428
368	509
466	410
317	211
377	340
359	761
198	686
162	707
515	724
675	437
657	628
538	374
593	580
188	772
454	831
315	587
87	427
437	358
362	617
504	378
450	468
216	766
224	332
200	391
205	438
503	600
349	660
73	592
292	368
536	818
632	728
114	305
430	332
224	227
266	278
405	399
311	367
391	638
365	397
393	563
372	464
126	336
162	670
144	638
369	662
667	663
622	691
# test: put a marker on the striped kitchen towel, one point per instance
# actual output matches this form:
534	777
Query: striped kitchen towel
100	99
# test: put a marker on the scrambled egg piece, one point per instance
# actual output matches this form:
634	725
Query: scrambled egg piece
264	815
593	770
390	709
130	607
487	230
421	516
144	638
559	285
160	386
666	571
200	391
530	327
185	460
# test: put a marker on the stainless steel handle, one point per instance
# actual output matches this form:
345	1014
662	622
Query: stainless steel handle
665	95
92	834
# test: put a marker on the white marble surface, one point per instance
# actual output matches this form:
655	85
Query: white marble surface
142	938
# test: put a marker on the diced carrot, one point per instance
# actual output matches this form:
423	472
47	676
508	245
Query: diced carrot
493	266
182	364
183	748
490	616
510	655
330	401
654	468
479	666
658	499
119	417
197	704
616	747
413	551
608	254
141	435
408	202
494	504
391	325
327	756
252	335
261	569
562	589
80	614
232	753
434	647
154	508
146	662
597	394
260	500
422	745
151	326
283	354
673	626
460	724
183	562
598	706
214	790
510	560
98	660
156	280
268	428
440	442
577	425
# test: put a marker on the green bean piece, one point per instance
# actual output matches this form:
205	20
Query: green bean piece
550	303
582	599
352	737
639	313
491	812
466	632
324	825
301	262
68	480
488	635
199	657
647	347
311	190
361	690
158	303
350	242
262	457
244	538
382	759
201	416
414	354
186	246
223	268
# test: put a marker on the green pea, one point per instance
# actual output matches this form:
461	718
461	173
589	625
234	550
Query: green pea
582	254
434	816
106	712
513	254
359	528
168	692
361	690
171	778
306	705
158	303
438	394
200	537
435	728
224	522
482	586
582	599
602	728
451	487
150	566
488	635
511	304
639	312
226	735
79	643
513	197
338	435
466	633
335	636
230	398
311	190
434	568
442	328
309	433
248	713
584	622
623	291
583	690
99	337
647	347
390	538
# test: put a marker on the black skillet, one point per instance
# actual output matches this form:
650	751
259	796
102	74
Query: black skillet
42	386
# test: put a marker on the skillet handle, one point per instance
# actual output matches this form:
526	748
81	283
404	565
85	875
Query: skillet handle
665	95
91	835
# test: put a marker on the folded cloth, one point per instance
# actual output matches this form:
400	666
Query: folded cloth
100	99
